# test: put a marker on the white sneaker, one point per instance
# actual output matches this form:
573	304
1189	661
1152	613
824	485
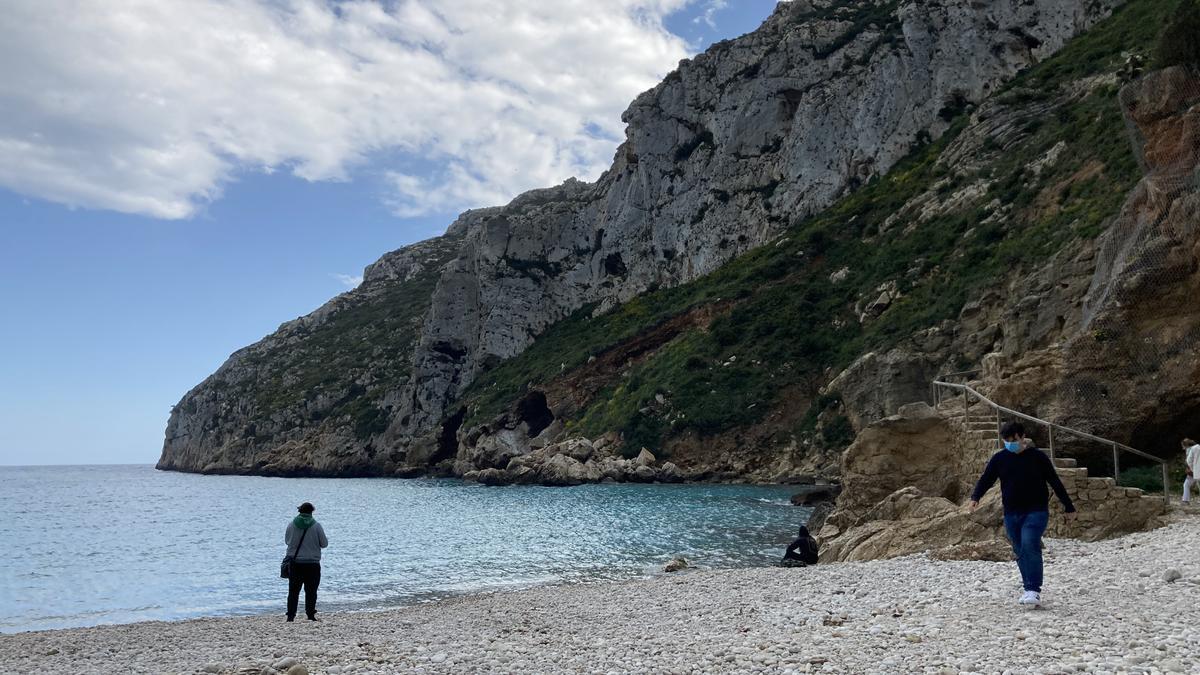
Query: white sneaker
1031	599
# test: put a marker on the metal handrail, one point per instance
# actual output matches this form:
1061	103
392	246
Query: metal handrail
967	391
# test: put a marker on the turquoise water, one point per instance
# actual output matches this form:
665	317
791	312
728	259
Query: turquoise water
116	544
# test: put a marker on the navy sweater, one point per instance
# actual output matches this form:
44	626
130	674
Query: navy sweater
1023	477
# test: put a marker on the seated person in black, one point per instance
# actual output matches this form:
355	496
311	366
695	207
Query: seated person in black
802	552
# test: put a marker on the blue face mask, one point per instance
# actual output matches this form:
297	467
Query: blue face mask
1012	446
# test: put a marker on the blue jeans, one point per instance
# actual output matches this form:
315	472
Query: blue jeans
1025	532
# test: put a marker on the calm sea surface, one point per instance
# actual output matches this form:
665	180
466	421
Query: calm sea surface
115	544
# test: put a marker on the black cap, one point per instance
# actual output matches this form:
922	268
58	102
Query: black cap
306	507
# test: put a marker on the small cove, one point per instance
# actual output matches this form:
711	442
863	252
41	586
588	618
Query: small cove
90	545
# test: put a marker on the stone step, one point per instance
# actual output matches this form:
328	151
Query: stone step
1076	472
1065	463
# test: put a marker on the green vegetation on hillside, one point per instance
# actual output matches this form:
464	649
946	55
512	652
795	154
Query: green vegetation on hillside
374	335
785	318
1180	43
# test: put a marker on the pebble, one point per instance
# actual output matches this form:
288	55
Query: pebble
1171	666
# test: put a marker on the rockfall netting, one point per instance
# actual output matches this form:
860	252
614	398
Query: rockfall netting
1145	254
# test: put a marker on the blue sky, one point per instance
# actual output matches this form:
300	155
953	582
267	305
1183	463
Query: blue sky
147	234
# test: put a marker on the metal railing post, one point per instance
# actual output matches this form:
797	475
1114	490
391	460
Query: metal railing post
945	393
997	441
1166	490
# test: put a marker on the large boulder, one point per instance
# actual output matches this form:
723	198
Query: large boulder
903	481
642	474
809	495
561	470
816	519
671	473
494	450
917	447
579	449
877	384
908	521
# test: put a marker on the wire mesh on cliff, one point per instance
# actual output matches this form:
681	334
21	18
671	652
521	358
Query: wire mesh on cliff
1145	254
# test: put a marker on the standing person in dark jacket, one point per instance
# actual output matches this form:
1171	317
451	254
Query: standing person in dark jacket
802	552
1024	471
304	538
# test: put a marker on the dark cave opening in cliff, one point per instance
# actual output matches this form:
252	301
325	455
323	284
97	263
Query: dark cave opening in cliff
534	411
1160	434
448	439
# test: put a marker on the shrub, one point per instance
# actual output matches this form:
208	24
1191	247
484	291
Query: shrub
837	432
1148	478
643	430
1180	41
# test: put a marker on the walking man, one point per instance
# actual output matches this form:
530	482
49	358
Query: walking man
1192	464
304	538
1024	471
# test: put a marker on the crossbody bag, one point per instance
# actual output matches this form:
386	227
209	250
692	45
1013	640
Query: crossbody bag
285	567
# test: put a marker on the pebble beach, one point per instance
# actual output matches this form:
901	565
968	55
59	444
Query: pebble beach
1126	605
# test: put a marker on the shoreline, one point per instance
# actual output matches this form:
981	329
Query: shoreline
1109	608
822	483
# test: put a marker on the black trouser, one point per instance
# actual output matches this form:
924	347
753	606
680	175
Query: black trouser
309	576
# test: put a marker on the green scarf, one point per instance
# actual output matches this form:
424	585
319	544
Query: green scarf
303	521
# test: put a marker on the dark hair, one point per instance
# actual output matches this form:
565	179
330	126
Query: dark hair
1187	442
1012	429
306	507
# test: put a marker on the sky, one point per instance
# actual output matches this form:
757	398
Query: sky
179	177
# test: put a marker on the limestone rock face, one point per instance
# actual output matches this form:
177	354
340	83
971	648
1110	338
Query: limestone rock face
907	521
905	478
876	385
313	397
916	448
1129	372
572	461
735	145
731	148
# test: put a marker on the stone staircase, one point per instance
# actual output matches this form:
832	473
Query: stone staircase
1105	508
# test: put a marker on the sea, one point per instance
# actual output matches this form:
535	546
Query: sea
89	545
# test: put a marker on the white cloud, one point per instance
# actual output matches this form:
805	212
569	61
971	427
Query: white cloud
151	106
710	12
349	281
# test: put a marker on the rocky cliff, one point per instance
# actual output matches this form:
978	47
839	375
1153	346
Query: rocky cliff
1104	338
609	306
309	398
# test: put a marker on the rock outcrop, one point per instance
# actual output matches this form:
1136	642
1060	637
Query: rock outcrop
908	478
311	398
1104	335
905	478
574	461
741	141
1129	371
737	144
